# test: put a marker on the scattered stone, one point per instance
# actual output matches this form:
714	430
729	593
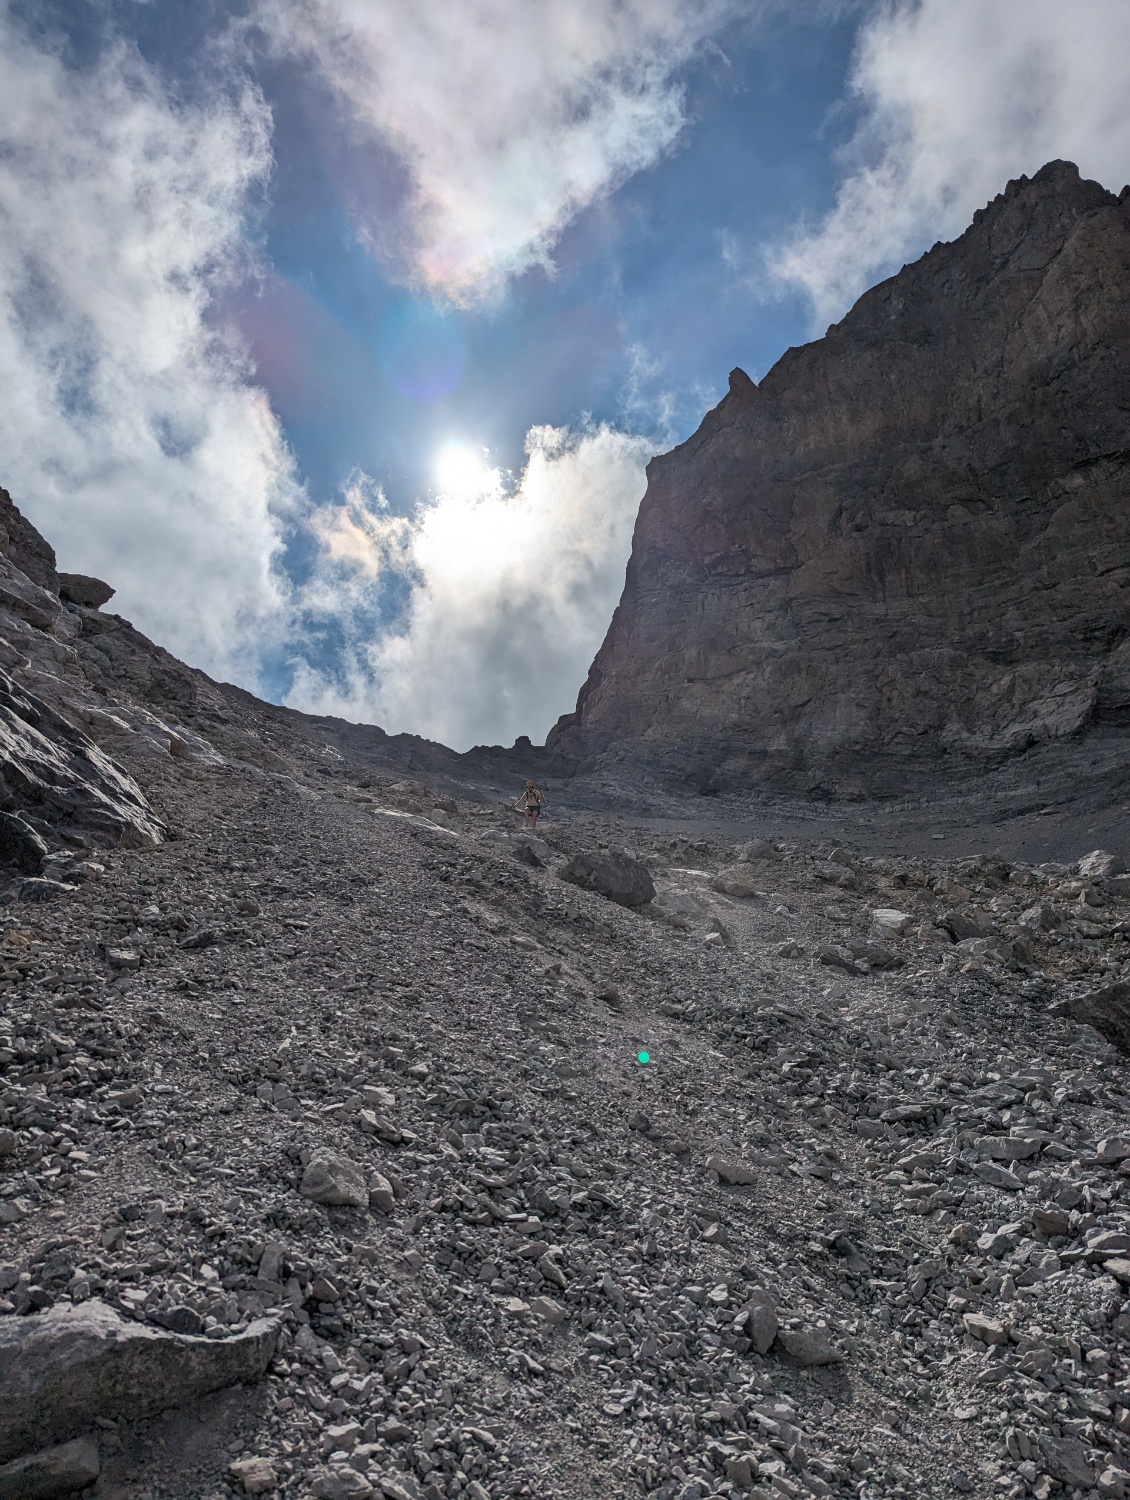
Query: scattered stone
760	1320
381	1195
1113	1149
547	1308
342	1483
888	922
757	851
1099	865
835	957
1050	1221
1040	917
998	1177
1107	1009
1065	1459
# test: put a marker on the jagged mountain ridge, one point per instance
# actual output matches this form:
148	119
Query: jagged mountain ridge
905	552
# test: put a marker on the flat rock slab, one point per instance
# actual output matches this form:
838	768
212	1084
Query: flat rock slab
731	1171
55	769
738	880
1106	1009
618	877
62	1470
62	1369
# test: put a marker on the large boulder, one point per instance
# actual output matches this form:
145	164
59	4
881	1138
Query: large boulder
808	1346
335	1181
61	1370
737	880
619	877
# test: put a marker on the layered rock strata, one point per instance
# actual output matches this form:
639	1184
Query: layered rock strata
909	546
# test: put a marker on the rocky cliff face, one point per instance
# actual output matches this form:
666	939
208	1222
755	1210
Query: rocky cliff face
906	551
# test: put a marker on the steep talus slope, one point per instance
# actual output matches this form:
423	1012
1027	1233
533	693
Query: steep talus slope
907	549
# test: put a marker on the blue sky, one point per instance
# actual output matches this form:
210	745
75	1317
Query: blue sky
341	333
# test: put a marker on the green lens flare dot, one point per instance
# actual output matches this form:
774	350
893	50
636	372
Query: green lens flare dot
645	1058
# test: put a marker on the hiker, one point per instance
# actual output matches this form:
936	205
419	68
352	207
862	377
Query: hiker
532	800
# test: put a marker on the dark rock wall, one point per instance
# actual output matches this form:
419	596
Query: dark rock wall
910	544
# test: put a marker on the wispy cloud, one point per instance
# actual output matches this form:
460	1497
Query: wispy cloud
130	430
510	117
508	592
959	96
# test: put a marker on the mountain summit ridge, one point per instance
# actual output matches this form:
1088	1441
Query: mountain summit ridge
905	549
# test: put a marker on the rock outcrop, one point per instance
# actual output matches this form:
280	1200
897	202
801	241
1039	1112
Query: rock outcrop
55	780
906	551
80	588
51	771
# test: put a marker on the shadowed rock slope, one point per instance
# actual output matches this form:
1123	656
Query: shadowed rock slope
904	553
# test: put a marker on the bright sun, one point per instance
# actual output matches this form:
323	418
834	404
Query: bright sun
461	472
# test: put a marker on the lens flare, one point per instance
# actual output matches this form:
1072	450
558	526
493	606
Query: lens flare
421	350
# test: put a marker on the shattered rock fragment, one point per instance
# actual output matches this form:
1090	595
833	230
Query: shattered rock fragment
986	1330
759	1320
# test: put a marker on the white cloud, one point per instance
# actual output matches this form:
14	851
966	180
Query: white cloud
958	96
129	431
510	116
510	592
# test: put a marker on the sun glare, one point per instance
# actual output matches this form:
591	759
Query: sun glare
461	472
